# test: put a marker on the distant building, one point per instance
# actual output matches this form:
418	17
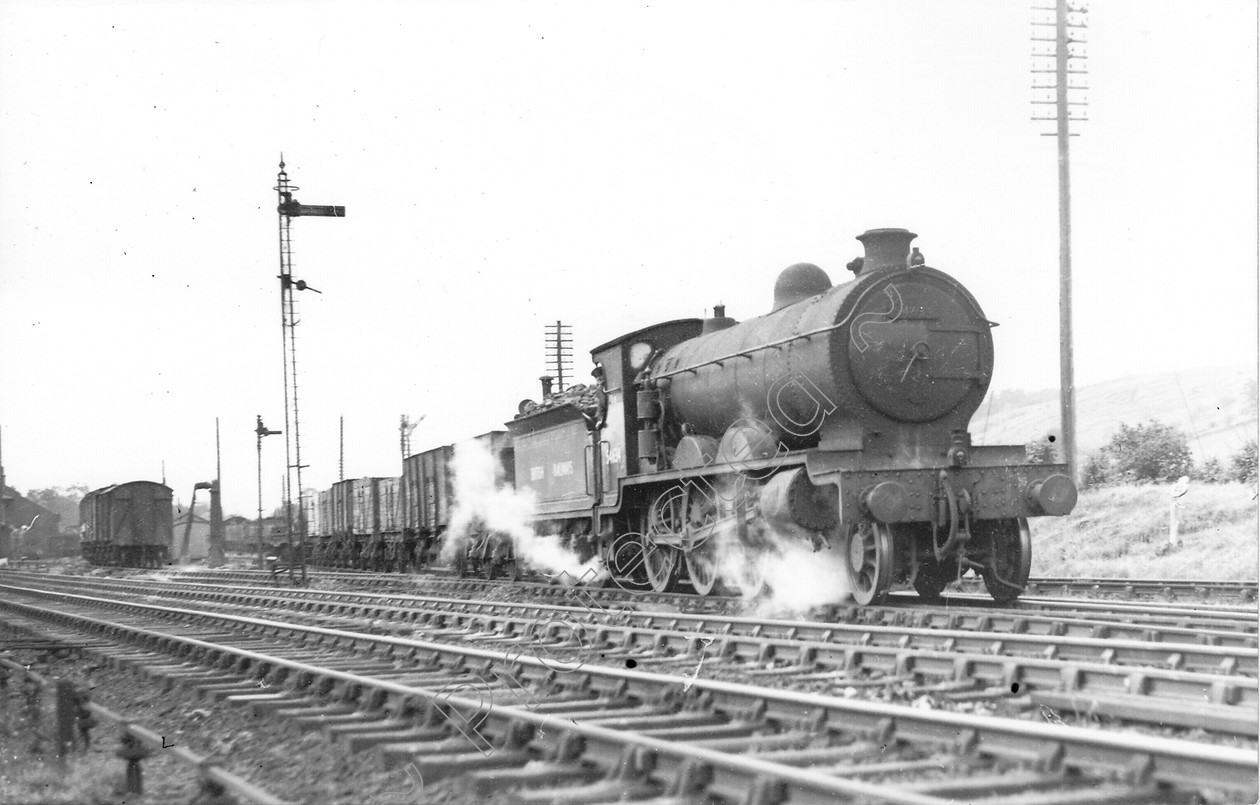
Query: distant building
242	533
27	527
238	532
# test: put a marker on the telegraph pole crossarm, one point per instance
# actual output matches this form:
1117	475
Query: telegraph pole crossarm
559	344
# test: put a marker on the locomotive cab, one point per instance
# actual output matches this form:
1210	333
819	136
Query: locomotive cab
624	360
578	454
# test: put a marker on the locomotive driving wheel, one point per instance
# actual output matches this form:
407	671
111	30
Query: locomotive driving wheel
702	568
870	561
661	564
1009	559
700	544
666	518
750	575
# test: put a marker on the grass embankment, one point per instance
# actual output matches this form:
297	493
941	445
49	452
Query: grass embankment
1122	532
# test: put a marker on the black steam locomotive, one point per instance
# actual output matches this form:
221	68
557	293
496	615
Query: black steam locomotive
840	418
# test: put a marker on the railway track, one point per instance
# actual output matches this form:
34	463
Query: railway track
1229	626
434	581
604	730
1151	673
1161	589
1228	596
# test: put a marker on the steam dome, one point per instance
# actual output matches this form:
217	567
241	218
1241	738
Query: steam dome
797	282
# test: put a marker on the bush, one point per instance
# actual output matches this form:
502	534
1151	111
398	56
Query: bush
1094	473
1041	451
1150	452
1243	463
1212	472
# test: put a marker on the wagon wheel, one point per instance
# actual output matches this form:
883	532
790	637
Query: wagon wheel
511	571
1010	557
665	519
700	552
486	558
870	562
507	563
623	556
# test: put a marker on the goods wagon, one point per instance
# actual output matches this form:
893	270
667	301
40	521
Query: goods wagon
128	524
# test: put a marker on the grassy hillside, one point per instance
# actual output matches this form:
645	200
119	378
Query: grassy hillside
1122	532
1214	407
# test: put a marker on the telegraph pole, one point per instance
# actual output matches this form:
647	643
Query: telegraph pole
288	209
217	547
1069	59
405	427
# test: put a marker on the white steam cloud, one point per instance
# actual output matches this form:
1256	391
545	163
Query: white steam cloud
482	496
780	572
784	576
800	579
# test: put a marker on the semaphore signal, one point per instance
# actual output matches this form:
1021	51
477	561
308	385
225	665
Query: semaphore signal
288	209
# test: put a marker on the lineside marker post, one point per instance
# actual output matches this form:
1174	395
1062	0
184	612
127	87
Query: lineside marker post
1174	521
66	707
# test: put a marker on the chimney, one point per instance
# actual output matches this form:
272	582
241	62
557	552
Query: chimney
546	386
720	321
885	248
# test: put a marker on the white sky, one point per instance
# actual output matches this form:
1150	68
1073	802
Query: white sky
506	164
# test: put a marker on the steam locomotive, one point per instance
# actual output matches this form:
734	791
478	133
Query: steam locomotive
839	418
